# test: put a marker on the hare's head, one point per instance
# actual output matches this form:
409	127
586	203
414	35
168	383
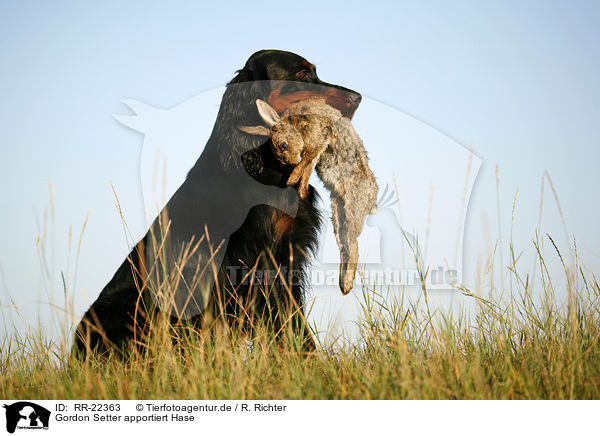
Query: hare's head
287	143
286	139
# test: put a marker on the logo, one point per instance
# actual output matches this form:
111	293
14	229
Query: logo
26	415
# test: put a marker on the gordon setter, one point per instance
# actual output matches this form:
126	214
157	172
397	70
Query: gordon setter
236	191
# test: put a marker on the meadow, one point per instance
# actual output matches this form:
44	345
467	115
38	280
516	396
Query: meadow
515	347
534	335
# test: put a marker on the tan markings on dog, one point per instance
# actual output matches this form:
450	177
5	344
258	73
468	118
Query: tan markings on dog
282	223
307	64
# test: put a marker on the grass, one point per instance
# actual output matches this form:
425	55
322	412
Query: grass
518	342
515	348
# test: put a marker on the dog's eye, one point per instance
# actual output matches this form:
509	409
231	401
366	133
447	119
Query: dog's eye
284	145
302	73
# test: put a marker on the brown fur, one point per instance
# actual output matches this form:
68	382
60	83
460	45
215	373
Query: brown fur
319	135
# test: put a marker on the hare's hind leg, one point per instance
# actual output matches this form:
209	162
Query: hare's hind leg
348	269
337	213
347	245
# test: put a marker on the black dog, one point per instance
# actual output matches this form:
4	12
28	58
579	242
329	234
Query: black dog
235	195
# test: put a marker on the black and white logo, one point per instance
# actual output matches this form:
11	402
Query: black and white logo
26	415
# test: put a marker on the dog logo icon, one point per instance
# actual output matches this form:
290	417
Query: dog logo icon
26	415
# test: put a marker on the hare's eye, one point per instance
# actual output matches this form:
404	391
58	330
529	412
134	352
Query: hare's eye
284	145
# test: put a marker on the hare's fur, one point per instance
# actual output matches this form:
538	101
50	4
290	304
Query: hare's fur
324	140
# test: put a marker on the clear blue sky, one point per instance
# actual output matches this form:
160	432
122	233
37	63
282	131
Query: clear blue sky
517	81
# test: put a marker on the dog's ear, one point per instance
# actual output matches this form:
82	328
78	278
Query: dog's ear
267	113
256	130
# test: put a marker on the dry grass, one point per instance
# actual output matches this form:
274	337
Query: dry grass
514	349
517	344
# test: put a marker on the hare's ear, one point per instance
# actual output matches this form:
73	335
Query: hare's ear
267	113
256	130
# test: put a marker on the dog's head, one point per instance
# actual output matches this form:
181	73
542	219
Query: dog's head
280	78
293	76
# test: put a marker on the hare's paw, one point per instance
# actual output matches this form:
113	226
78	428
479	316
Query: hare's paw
303	190
304	182
295	176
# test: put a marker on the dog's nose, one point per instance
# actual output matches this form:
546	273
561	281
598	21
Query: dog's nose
355	99
352	101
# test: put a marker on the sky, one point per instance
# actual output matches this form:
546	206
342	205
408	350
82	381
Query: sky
515	82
